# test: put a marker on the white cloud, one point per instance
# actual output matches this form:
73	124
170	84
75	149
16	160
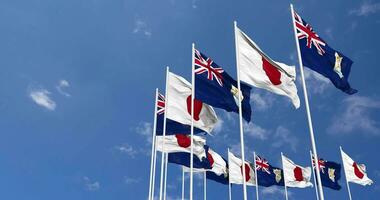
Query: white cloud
283	137
129	180
62	84
355	114
145	129
329	32
261	102
91	185
142	27
366	8
274	191
218	126
316	83
41	97
127	149
255	131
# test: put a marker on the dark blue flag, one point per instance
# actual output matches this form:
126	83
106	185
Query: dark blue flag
223	179
218	89
320	57
330	173
267	175
172	127
183	158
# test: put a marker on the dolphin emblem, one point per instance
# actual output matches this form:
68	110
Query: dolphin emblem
338	65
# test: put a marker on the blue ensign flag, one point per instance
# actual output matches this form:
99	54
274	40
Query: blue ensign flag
172	127
319	56
267	175
218	89
183	158
330	173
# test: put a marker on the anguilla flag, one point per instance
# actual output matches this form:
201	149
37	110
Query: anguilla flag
183	158
319	56
214	86
172	127
267	175
330	173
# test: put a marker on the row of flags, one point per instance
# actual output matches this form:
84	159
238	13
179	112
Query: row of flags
189	108
229	170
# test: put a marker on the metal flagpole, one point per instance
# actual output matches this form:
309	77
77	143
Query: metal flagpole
192	120
240	113
257	183
348	185
312	170
229	183
286	190
152	160
183	184
166	174
314	148
204	185
164	133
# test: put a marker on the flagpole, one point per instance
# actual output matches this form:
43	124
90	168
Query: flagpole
240	114
286	190
183	184
314	148
229	183
348	185
204	185
257	183
154	165
166	174
164	133
192	120
151	185
312	169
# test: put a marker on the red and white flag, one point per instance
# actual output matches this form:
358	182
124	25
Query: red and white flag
355	173
181	143
259	70
178	102
236	171
296	175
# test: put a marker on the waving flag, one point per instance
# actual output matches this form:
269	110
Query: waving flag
236	173
178	105
183	158
320	57
355	173
257	69
296	175
267	175
181	143
330	173
172	127
217	88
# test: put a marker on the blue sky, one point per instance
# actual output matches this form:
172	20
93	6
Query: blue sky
77	86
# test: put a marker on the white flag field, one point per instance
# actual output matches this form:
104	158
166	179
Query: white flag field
181	143
296	175
259	70
178	102
355	173
236	173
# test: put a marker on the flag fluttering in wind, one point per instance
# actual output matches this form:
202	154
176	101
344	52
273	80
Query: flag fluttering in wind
267	175
181	143
236	171
296	175
330	173
355	173
178	105
214	86
259	70
172	127
319	56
